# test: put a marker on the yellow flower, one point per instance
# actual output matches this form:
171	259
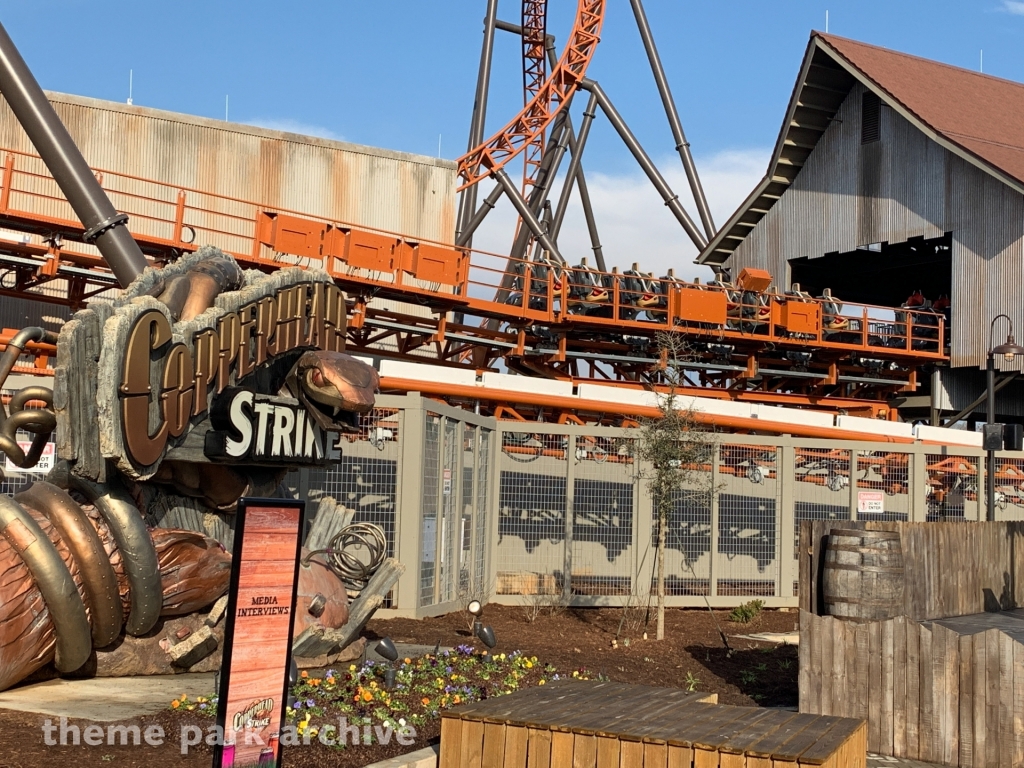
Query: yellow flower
529	665
373	684
351	667
541	682
456	699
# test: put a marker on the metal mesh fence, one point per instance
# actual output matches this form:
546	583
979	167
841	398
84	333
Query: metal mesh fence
428	514
483	475
687	540
532	501
603	556
748	496
883	485
953	488
1009	485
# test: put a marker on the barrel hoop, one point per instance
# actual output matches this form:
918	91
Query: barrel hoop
852	533
862	550
859	600
866	568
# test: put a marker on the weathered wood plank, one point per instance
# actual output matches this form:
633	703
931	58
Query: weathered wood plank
992	696
966	704
951	713
926	715
1018	702
538	748
809	623
862	674
804	551
515	747
1006	735
842	654
494	744
631	754
899	687
608	753
913	690
827	672
885	735
874	686
472	753
815	701
980	683
451	743
584	751
938	689
656	756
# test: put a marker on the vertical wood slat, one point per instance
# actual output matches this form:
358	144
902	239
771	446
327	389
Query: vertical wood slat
951	702
807	625
979	693
1018	703
814	703
561	749
515	748
937	673
494	744
1006	735
656	756
992	696
862	635
472	744
886	720
631	754
608	753
913	690
966	703
874	685
678	757
925	712
899	687
840	685
538	748
584	751
451	743
827	683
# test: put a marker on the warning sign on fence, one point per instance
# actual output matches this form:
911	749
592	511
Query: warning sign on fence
870	502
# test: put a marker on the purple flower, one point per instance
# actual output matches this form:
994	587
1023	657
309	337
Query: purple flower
297	705
310	703
447	670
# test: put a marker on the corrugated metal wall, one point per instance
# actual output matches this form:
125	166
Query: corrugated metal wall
410	194
903	186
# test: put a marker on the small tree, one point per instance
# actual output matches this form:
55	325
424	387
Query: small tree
676	449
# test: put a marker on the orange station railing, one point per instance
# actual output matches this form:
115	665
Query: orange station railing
573	302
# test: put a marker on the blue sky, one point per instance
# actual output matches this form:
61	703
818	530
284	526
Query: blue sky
400	73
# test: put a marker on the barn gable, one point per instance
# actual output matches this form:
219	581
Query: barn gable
893	173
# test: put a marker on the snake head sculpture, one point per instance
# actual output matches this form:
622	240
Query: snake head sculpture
334	387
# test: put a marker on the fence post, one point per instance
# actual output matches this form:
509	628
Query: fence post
570	515
643	533
494	507
409	490
713	560
919	485
786	519
854	500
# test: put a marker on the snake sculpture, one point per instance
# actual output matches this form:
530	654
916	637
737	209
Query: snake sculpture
84	562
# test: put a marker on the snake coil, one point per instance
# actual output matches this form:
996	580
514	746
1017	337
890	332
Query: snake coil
351	569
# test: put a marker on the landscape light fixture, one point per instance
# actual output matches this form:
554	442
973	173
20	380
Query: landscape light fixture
994	433
476	610
386	649
486	636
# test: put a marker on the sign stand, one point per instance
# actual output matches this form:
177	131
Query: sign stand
253	691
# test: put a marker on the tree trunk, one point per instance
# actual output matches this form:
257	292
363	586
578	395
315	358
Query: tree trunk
662	520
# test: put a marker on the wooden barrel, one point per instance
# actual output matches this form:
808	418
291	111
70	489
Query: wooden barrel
863	576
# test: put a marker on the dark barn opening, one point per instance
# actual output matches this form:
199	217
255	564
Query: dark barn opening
883	273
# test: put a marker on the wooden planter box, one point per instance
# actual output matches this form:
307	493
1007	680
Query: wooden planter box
615	725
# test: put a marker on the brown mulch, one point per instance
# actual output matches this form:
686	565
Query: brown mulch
751	674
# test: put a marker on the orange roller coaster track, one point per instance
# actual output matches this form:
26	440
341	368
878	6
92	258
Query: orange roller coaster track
551	97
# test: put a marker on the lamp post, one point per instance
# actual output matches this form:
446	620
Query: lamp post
1009	350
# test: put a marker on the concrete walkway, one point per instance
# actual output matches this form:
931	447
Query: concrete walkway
106	699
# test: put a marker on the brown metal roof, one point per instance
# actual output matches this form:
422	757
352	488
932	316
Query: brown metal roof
977	116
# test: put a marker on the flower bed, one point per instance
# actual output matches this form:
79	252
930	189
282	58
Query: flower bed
357	694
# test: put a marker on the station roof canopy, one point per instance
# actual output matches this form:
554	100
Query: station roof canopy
976	116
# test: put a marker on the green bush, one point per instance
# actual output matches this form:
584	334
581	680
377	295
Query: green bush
747	612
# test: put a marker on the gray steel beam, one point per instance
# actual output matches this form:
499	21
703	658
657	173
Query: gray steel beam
104	226
574	165
671	198
467	201
465	237
528	216
682	145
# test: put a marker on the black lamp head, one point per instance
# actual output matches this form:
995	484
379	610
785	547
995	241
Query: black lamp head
1009	350
387	649
475	608
293	673
486	635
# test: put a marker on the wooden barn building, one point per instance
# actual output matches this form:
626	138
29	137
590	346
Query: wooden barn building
894	174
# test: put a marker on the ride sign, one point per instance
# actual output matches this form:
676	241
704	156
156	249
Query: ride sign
258	635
